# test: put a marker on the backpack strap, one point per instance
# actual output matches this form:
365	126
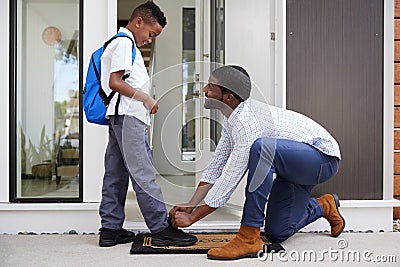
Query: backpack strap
120	34
106	99
116	121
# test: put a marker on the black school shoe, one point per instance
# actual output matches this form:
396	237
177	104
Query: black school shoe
172	237
112	237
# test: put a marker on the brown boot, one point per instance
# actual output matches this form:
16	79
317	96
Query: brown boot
330	204
246	244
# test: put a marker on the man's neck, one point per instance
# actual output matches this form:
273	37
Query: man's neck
228	109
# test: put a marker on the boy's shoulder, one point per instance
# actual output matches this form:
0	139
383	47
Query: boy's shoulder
121	41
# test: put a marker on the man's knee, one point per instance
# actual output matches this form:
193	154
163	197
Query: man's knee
262	148
262	144
276	235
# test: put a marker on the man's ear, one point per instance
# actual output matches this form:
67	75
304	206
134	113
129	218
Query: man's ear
230	97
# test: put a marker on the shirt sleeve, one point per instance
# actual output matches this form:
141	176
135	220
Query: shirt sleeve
217	163
244	134
121	58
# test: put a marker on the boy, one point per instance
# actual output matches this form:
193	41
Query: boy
128	153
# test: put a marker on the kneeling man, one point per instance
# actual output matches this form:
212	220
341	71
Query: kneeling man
263	140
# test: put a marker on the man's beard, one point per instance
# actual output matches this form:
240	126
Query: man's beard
211	103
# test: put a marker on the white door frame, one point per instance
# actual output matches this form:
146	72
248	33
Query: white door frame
203	154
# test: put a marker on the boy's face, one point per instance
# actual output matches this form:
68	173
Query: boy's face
146	32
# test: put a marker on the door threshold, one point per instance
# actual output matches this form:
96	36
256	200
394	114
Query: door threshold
198	227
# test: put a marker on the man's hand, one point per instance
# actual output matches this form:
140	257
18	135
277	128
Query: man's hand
186	214
185	219
181	219
184	207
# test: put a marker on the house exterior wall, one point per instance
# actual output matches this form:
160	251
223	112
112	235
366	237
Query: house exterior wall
83	217
396	176
95	31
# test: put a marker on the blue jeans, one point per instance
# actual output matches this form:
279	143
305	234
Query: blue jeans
298	168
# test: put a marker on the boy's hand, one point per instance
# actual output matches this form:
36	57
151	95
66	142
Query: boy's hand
154	109
149	103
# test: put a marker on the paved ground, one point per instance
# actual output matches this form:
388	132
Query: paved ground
303	249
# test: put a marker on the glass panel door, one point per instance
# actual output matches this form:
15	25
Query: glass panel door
46	110
189	48
174	85
211	55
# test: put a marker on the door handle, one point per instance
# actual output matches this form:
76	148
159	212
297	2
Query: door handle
197	93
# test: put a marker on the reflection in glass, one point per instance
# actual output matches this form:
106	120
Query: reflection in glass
47	99
188	84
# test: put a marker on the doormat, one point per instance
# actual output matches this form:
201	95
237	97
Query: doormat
206	241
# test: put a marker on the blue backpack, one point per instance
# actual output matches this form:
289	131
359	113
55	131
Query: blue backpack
95	100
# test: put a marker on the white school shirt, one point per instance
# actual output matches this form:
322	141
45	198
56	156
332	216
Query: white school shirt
248	122
118	56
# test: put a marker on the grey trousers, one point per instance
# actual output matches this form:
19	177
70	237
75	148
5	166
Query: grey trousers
128	155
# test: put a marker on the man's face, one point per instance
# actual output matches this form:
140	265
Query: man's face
146	32
214	96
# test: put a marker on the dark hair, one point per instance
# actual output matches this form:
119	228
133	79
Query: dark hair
150	13
225	90
239	83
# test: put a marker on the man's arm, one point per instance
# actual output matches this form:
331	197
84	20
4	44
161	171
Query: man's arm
218	161
198	196
212	172
244	133
183	215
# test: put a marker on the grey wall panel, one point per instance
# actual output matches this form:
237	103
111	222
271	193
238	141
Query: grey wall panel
335	76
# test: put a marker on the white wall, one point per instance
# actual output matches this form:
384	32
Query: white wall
98	24
388	100
248	43
4	103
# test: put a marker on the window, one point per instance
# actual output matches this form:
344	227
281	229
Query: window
45	138
188	83
218	57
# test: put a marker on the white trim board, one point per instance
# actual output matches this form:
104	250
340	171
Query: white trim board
83	217
48	206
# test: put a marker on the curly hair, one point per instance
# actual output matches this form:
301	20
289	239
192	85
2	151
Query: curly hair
150	13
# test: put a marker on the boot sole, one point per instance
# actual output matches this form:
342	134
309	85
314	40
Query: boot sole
111	243
337	204
250	255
